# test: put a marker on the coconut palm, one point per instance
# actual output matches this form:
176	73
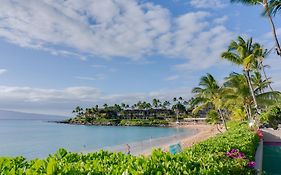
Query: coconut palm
155	102
259	84
209	93
240	97
166	104
78	110
261	55
241	53
105	106
273	6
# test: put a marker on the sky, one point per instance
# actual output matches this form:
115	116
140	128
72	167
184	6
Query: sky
57	54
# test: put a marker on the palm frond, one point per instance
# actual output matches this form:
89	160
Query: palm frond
247	2
268	97
197	90
247	61
232	57
200	107
274	7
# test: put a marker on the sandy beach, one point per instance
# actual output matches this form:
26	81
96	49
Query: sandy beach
196	134
203	132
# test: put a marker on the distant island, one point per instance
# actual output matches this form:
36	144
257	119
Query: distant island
15	115
142	113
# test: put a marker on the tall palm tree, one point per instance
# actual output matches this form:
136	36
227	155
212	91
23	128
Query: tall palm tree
123	105
155	102
209	93
274	6
240	94
268	7
259	84
241	53
166	104
261	55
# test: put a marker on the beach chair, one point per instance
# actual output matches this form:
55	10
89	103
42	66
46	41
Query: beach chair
174	149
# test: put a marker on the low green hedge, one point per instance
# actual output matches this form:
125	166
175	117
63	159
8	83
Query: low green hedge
208	157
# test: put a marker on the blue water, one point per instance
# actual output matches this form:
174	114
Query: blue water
38	139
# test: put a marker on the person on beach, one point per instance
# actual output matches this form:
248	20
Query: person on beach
128	149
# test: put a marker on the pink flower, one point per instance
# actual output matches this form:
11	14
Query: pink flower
251	164
260	133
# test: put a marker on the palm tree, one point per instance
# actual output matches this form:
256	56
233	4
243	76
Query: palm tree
166	104
123	105
242	53
239	94
78	110
274	6
155	102
259	84
261	55
209	93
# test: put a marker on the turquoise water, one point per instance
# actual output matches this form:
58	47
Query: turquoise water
272	159
32	138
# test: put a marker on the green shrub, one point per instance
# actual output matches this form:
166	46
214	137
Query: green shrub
206	158
272	117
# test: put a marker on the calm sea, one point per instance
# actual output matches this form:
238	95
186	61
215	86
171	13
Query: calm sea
38	139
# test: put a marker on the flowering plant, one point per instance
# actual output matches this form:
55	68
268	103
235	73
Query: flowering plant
260	133
235	154
251	164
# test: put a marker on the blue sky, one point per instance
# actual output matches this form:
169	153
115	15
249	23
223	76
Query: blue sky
57	54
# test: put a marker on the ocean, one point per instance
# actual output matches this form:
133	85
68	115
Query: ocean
39	138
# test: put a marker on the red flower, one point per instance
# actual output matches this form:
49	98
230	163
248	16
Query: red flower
260	133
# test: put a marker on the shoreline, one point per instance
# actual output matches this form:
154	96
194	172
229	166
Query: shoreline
205	132
196	134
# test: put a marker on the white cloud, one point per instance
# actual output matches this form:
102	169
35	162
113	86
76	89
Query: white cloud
98	66
111	28
62	101
95	77
2	71
28	94
221	20
207	3
172	77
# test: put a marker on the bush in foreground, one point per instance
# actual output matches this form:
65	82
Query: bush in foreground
208	157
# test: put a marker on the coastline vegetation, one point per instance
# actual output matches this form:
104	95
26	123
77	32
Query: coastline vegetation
142	113
214	156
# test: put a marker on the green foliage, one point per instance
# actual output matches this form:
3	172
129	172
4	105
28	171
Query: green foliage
272	117
213	117
143	122
205	158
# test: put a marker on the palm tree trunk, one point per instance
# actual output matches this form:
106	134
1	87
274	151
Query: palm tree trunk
248	113
218	128
223	119
265	76
252	90
278	48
